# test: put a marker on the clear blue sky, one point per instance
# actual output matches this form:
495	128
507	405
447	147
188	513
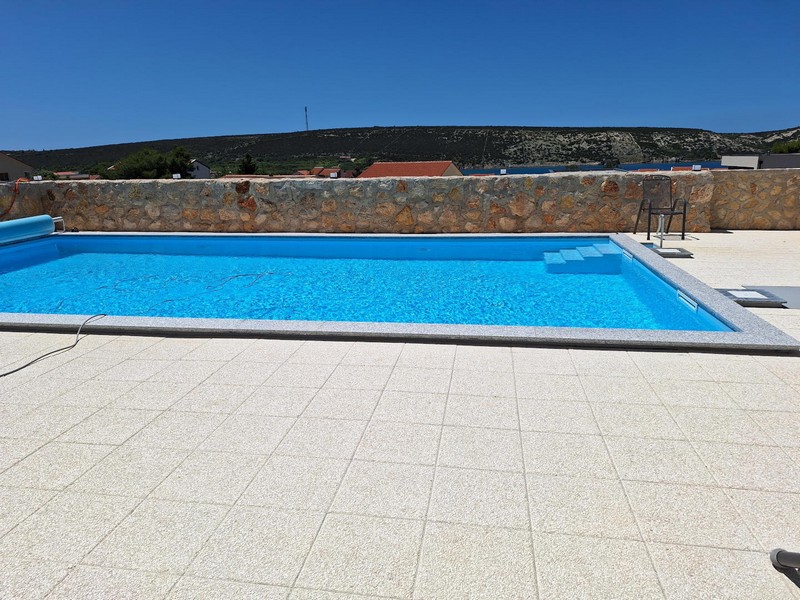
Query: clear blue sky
82	73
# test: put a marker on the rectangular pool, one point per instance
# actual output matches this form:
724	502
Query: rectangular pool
552	289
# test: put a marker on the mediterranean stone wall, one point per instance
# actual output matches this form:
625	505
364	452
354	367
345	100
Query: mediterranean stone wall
604	201
763	199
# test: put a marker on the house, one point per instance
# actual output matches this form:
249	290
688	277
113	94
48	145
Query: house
73	175
332	173
198	170
428	168
12	169
762	161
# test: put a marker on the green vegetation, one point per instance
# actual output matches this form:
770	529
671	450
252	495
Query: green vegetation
148	163
354	149
247	166
786	147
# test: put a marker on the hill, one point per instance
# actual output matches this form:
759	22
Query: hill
467	146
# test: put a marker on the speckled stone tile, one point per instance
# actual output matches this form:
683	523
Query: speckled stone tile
197	588
555	454
668	461
410	407
399	442
277	401
479	383
385	490
720	425
763	396
100	582
549	387
159	536
16	504
322	438
556	417
702	516
93	393
130	471
215	477
240	372
22	579
469	561
618	390
54	466
490	498
260	545
152	395
678	570
296	482
359	377
254	434
476	448
580	506
588	567
640	421
67	527
364	555
300	375
482	411
14	450
215	398
109	426
177	430
420	380
709	394
336	403
378	354
750	467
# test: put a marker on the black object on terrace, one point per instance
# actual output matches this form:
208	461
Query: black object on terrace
782	559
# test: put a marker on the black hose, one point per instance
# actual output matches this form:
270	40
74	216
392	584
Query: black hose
59	350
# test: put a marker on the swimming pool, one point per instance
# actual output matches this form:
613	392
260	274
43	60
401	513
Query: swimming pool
537	288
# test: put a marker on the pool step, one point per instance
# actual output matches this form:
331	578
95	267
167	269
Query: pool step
597	258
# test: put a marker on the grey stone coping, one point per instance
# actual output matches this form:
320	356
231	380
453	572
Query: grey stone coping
750	332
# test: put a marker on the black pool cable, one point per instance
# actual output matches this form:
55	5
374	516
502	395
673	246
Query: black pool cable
59	350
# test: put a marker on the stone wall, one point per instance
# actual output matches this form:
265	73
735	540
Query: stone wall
763	199
564	202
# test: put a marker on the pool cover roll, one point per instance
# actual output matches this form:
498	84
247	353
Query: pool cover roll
27	228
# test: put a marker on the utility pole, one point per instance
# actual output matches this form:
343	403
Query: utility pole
306	118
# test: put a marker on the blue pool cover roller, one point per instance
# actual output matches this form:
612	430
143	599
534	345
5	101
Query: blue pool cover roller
27	228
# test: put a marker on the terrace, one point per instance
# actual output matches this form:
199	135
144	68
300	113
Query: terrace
150	467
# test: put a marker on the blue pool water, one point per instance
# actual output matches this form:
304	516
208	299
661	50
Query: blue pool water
476	280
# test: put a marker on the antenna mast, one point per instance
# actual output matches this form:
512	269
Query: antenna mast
306	118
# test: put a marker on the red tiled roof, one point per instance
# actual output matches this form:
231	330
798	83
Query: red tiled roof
430	168
327	172
317	170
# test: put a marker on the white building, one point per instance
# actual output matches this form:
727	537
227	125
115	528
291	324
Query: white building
198	170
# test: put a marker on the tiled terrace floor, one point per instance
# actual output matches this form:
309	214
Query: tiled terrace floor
142	468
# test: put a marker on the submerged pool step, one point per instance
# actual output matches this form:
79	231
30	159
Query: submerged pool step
597	258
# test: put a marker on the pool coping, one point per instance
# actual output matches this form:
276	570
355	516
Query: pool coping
752	333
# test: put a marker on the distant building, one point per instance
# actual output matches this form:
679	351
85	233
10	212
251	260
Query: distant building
332	173
762	161
429	168
74	175
198	170
12	169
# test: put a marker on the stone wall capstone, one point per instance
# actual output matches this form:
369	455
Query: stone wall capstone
597	201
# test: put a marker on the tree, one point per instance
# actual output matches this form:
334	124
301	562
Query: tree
179	161
144	164
786	147
151	164
247	165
